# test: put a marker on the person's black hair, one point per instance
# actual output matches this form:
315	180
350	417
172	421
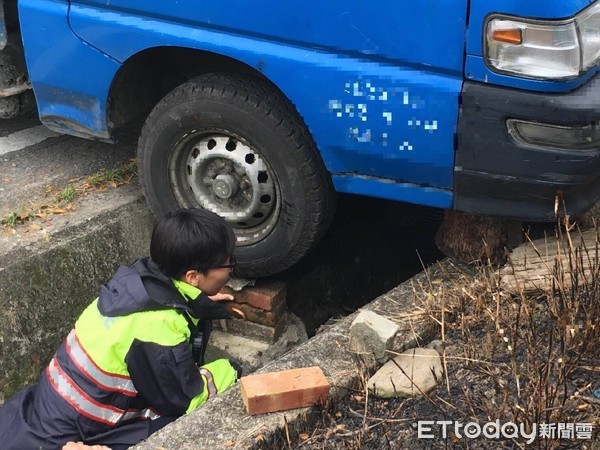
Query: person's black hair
190	239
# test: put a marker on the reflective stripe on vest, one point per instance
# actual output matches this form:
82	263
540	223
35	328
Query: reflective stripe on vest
87	406
107	381
78	399
210	382
147	413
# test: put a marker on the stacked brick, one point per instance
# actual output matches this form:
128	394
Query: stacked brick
265	310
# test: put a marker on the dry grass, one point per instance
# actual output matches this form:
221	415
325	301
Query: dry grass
528	358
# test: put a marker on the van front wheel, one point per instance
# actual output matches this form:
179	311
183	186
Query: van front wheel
235	146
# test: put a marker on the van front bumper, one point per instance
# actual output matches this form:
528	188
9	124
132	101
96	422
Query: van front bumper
507	165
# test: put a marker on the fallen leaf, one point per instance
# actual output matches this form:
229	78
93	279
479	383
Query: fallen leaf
303	436
359	398
57	211
35	227
229	443
260	437
582	407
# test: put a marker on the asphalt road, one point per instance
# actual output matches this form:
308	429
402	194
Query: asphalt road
371	247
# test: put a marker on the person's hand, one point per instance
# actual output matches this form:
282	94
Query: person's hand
235	312
231	309
220	297
82	446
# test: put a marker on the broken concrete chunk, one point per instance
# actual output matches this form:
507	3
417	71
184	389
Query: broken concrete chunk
409	374
372	333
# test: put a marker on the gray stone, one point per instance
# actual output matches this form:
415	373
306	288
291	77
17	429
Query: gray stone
410	374
372	333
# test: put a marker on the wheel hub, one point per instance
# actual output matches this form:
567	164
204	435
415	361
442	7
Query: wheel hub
225	186
223	174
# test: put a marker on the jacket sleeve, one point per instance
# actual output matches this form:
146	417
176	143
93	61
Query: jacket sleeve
165	376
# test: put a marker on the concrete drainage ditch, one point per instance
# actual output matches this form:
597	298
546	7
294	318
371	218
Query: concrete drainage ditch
48	276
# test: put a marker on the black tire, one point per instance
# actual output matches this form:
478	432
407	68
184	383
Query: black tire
235	145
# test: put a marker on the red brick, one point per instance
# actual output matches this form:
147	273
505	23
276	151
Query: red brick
266	294
280	391
261	316
252	330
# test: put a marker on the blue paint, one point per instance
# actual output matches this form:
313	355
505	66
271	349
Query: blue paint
388	189
70	78
390	31
3	37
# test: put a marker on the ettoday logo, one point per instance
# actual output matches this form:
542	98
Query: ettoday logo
508	430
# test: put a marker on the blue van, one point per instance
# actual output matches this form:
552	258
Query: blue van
261	111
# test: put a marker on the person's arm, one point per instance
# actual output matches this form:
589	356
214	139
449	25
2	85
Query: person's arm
169	380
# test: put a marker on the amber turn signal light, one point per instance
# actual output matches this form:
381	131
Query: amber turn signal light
512	36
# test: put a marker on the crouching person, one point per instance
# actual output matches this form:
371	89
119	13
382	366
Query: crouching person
134	360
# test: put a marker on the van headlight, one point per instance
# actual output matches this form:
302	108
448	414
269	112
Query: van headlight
549	50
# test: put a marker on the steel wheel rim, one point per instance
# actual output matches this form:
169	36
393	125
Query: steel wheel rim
219	171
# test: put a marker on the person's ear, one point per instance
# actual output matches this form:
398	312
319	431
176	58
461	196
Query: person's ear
193	277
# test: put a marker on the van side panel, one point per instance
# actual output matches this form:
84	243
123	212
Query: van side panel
69	77
377	87
426	32
376	107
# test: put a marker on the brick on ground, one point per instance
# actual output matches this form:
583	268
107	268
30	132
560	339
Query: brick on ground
284	390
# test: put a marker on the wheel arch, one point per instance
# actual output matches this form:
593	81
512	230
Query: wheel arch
147	76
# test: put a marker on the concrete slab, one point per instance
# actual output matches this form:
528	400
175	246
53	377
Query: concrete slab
37	160
48	276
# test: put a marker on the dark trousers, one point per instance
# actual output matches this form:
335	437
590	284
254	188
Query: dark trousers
155	425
